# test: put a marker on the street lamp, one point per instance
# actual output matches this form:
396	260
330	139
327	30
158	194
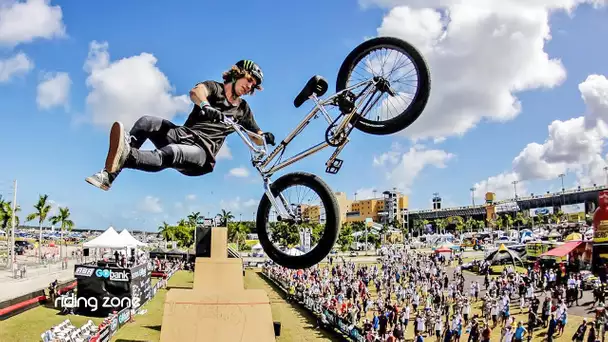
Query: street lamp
562	175
473	195
606	169
515	187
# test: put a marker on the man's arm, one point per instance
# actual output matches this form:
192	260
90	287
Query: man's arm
199	94
256	140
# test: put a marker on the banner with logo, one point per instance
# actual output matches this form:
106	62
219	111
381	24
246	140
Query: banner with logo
81	271
112	274
140	285
573	208
541	211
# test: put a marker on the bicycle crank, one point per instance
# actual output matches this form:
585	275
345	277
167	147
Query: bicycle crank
334	136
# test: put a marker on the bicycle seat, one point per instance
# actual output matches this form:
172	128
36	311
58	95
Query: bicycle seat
316	85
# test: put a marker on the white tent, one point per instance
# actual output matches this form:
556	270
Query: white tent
107	239
294	251
129	240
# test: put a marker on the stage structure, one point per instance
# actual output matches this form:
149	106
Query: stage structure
217	308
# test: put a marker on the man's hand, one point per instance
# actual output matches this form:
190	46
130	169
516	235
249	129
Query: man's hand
269	138
212	113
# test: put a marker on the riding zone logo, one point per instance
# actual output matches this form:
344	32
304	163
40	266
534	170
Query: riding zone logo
112	275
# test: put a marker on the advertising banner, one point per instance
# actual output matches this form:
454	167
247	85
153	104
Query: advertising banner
541	211
140	285
573	208
82	271
507	207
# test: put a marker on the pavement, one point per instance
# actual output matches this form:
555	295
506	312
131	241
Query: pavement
36	278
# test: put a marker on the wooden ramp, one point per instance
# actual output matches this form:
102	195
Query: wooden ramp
218	308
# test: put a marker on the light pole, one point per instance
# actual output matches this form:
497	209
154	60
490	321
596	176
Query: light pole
473	195
515	187
12	240
606	170
562	175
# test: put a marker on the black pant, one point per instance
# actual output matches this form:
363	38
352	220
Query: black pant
175	147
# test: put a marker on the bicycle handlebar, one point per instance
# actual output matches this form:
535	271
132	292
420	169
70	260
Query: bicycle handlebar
245	136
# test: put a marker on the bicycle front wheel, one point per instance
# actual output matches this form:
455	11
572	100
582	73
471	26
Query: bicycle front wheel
306	240
403	71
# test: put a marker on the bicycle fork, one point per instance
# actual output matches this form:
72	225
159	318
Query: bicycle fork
284	211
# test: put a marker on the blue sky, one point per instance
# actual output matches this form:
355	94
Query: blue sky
51	151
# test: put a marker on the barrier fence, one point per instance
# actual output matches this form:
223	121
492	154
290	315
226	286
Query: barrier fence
333	320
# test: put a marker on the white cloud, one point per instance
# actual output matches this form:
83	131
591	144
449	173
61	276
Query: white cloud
573	145
17	65
367	193
126	89
224	152
502	185
403	167
481	54
240	172
22	22
54	90
151	204
250	203
191	197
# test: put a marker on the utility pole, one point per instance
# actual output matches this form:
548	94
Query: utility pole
12	240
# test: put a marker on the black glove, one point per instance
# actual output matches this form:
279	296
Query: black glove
212	114
269	138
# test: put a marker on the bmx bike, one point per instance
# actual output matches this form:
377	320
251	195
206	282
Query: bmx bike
354	100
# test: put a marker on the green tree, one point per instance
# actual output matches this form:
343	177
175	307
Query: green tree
507	220
441	224
237	233
42	210
63	218
469	224
521	219
346	239
284	234
166	231
225	217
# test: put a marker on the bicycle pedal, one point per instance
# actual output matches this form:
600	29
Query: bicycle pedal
335	166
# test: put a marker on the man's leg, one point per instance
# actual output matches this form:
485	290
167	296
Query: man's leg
160	131
176	156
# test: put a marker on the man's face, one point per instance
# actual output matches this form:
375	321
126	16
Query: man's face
244	85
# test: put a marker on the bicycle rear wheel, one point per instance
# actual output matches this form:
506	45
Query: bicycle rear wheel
397	112
279	237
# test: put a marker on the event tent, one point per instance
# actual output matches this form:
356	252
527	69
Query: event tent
129	240
503	255
107	239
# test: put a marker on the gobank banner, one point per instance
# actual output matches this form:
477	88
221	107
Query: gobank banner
113	275
573	208
541	211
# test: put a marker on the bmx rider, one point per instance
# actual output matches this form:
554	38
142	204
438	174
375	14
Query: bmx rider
191	148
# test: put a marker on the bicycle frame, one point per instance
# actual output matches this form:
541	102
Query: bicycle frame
261	159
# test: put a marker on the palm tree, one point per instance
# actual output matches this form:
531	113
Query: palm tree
42	211
226	216
166	231
64	219
193	220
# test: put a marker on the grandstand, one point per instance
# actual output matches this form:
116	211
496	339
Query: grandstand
588	196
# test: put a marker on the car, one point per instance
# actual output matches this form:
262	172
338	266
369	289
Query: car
24	244
353	254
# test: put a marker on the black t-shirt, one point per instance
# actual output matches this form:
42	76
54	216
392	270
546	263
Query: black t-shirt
212	135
